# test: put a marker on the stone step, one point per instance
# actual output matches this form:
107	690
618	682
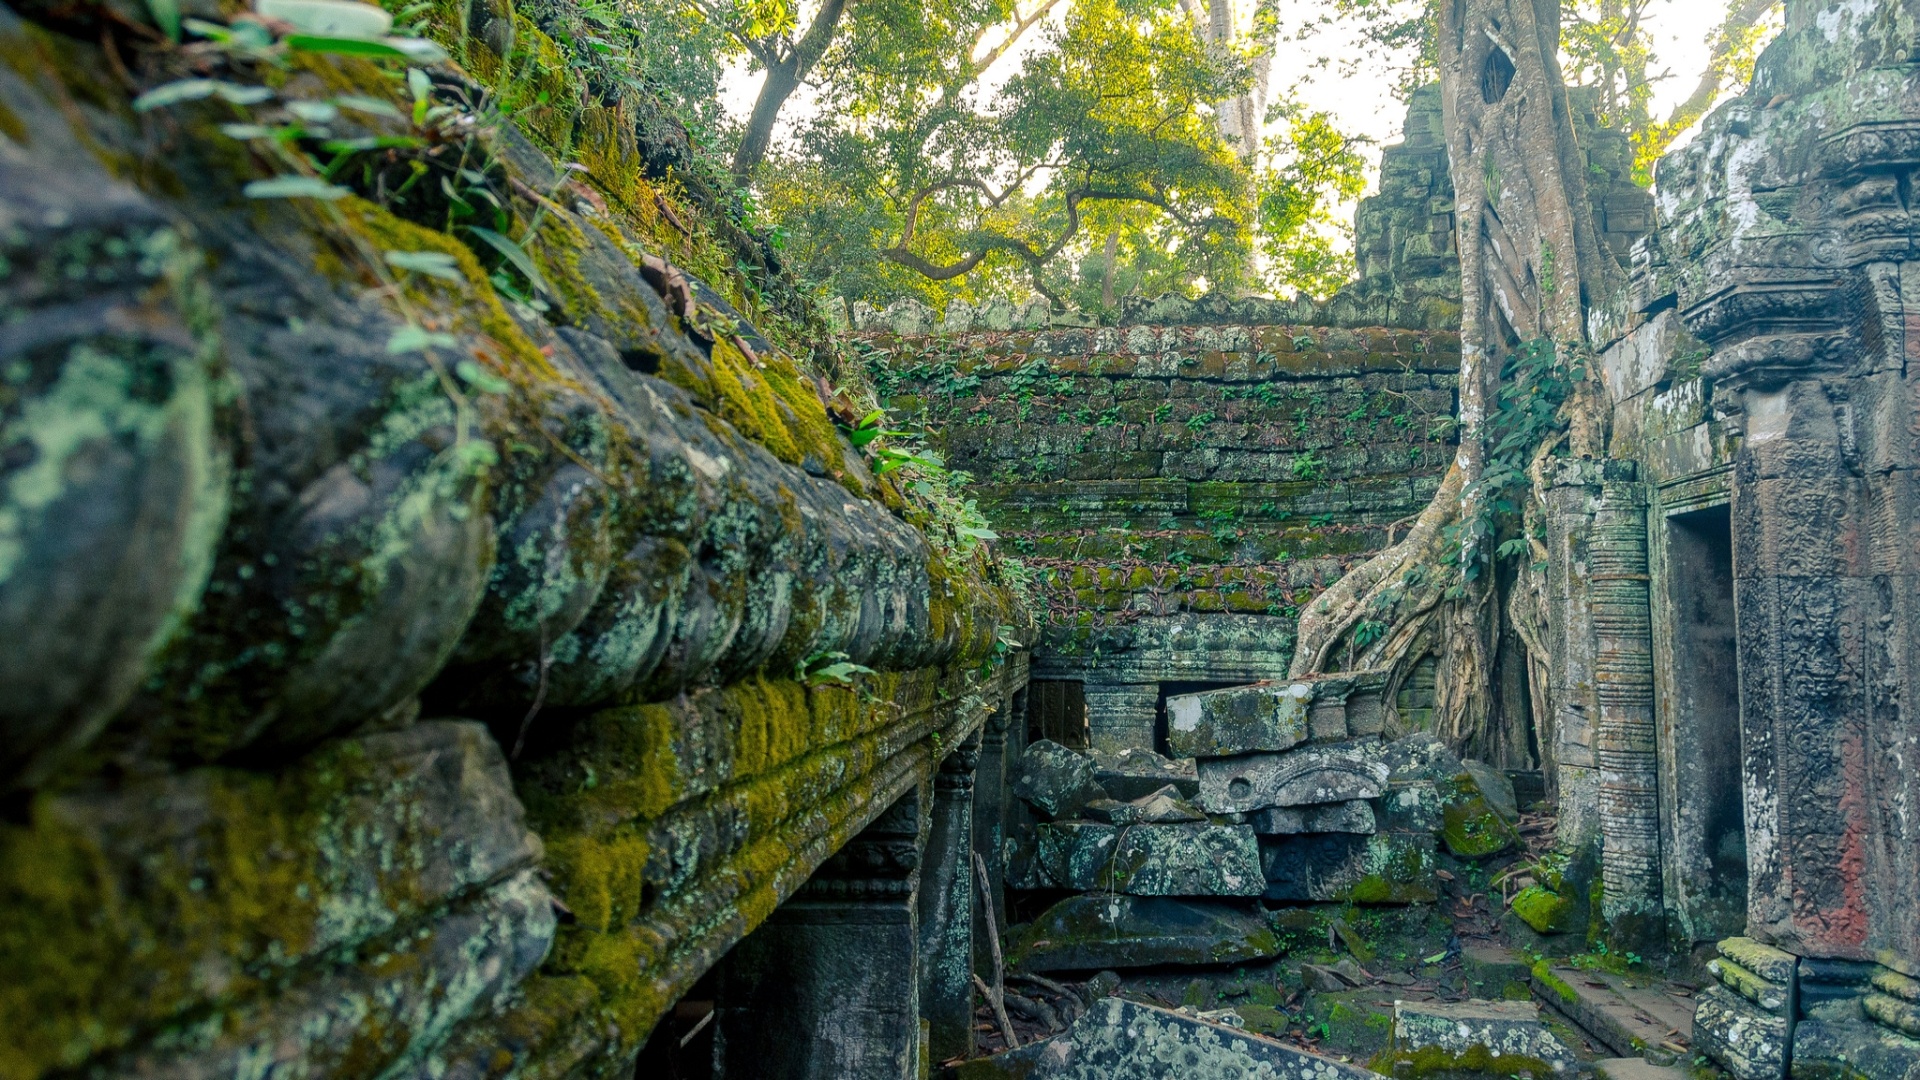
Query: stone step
1625	1013
1633	1068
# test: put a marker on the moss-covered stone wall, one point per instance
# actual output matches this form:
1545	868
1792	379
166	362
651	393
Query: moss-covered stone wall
412	640
1179	492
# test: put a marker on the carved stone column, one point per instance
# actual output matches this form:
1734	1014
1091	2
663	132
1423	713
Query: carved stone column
947	896
1567	736
829	987
1001	741
1120	715
1624	737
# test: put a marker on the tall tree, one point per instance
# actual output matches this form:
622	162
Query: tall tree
787	61
1531	261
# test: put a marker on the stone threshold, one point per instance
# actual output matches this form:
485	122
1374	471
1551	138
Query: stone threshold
1620	1013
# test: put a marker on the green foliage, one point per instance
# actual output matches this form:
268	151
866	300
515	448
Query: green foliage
1309	169
828	669
916	176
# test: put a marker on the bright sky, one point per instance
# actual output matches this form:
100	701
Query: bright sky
1362	101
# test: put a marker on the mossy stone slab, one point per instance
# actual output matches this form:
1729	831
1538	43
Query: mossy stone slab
1152	860
1504	1029
1238	720
1119	1039
1088	933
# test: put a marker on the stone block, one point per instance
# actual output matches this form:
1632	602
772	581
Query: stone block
1764	961
1219	723
1636	1069
1355	816
1746	1041
1303	777
1494	787
1088	933
1768	995
1055	780
1900	1015
1412	806
1163	807
1119	1039
1136	772
1502	1029
1385	868
1151	860
1853	1048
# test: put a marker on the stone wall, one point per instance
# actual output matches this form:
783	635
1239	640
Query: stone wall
1179	492
1764	425
406	677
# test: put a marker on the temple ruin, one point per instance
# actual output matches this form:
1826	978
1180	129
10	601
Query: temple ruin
405	677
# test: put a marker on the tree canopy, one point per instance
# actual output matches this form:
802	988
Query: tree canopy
1086	150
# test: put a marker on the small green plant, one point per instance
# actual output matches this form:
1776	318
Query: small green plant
828	669
1199	421
1307	466
1161	413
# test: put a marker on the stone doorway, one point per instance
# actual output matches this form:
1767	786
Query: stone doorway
1700	727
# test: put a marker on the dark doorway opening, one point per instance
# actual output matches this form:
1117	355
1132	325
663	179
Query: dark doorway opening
1710	827
1057	710
1175	689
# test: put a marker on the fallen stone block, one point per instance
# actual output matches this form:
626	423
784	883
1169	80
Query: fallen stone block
1119	1039
1239	720
1746	1041
1495	787
1151	860
1470	825
1086	933
1347	817
1410	806
1420	756
1339	772
1136	772
1163	807
1385	868
1471	1030
1546	911
1055	780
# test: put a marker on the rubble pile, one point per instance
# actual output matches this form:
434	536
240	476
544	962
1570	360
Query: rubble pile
1278	794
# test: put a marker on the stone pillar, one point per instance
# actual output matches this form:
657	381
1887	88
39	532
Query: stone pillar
1001	740
1624	736
1120	715
1568	735
947	895
829	987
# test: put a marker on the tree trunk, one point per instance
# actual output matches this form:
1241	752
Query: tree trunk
785	72
1530	261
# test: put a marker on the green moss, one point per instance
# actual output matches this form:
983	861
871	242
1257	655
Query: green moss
1476	1061
1543	976
1471	828
1543	909
105	943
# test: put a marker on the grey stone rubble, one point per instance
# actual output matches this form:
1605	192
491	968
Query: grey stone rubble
1503	1028
1308	776
1119	1039
1088	932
